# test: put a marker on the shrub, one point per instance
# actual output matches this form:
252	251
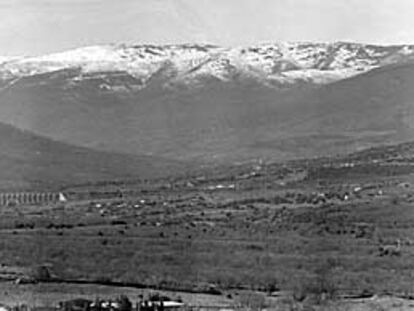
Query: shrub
124	303
319	289
251	301
42	273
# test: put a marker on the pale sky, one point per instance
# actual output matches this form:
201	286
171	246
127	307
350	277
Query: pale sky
32	27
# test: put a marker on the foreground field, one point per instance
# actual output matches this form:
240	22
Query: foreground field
48	295
314	228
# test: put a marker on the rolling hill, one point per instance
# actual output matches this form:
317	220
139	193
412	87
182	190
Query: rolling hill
221	121
207	103
28	161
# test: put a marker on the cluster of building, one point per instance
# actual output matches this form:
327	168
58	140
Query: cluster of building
122	303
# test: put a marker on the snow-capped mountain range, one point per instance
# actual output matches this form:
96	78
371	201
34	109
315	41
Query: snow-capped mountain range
206	102
269	64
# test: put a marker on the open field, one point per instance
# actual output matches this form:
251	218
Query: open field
51	294
48	295
309	227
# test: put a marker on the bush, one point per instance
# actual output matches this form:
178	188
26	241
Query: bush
319	289
251	301
42	273
124	303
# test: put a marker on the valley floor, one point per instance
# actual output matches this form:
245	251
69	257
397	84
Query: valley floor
317	229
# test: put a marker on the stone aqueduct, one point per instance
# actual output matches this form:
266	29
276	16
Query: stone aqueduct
23	198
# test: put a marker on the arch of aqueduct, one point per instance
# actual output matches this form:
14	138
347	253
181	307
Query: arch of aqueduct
29	197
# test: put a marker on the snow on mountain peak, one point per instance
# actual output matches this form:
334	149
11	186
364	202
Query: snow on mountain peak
286	62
